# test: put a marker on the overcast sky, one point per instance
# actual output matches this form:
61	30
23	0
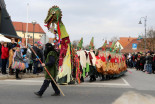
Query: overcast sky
102	19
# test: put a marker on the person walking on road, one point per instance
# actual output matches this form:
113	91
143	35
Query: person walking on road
50	63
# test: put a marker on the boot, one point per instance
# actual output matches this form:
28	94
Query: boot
43	87
37	93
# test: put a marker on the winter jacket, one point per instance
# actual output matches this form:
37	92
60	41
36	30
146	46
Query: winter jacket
5	52
38	52
51	65
149	60
11	45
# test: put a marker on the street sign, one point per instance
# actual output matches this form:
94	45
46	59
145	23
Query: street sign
134	46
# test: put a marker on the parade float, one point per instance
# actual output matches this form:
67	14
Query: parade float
110	61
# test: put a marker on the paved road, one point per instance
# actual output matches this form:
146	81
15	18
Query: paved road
99	92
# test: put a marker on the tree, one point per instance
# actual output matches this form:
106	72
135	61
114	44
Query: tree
150	41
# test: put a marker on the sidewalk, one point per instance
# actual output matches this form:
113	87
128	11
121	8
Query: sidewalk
21	75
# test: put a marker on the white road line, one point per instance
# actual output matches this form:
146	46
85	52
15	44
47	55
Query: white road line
35	81
108	84
125	82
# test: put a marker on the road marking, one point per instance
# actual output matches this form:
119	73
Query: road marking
85	84
35	81
109	84
125	82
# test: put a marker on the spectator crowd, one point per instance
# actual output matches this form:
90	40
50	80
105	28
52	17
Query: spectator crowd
141	61
16	58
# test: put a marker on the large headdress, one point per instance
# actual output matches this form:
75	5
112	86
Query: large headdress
80	43
112	46
91	45
104	46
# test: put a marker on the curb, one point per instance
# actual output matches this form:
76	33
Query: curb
3	77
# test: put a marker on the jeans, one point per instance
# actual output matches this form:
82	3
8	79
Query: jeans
149	68
35	70
134	63
46	84
4	62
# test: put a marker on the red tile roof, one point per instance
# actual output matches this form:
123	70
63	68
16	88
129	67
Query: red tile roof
21	26
124	41
128	48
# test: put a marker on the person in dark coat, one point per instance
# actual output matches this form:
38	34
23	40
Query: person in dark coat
12	44
149	61
35	60
41	57
138	62
51	65
133	60
142	61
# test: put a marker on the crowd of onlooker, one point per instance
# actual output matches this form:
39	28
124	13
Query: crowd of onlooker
141	61
15	57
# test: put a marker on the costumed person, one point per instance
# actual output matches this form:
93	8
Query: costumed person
54	17
92	60
82	57
75	67
11	54
18	62
50	63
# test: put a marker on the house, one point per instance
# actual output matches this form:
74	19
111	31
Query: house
124	41
129	47
20	28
